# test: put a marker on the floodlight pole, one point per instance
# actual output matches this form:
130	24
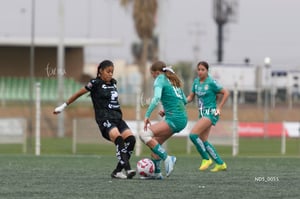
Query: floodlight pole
221	18
222	12
220	42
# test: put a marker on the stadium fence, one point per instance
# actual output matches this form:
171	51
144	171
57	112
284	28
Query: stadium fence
13	131
85	130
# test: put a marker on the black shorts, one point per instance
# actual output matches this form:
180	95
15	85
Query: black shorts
106	125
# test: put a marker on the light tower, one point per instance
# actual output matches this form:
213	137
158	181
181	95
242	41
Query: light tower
224	11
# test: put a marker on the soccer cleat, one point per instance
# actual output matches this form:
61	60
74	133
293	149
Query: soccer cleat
205	164
118	175
169	165
130	174
155	176
219	167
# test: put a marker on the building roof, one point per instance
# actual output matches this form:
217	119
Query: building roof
54	42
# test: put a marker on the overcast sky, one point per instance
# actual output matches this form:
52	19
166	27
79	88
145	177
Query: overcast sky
262	28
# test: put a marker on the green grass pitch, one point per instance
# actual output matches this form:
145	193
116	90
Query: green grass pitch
88	176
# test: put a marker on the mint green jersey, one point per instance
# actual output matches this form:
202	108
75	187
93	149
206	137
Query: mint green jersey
173	101
206	92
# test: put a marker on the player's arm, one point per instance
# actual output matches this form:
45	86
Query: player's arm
190	97
225	94
155	100
74	97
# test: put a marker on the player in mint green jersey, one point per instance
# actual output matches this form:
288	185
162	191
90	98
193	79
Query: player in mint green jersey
206	89
167	90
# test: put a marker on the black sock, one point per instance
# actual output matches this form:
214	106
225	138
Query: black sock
129	145
121	154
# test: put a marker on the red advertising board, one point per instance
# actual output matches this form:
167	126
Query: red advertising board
260	129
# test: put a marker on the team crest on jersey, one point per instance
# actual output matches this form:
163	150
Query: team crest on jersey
206	87
90	85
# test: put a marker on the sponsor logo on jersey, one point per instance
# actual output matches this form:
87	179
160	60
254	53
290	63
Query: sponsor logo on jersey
206	87
111	106
107	87
89	85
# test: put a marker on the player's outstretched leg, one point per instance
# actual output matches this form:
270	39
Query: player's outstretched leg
123	160
129	145
169	160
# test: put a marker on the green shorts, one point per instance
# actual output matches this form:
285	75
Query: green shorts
177	124
210	114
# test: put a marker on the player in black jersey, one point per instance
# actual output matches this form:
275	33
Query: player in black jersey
108	115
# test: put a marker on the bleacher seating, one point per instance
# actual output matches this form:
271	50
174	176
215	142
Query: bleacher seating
18	88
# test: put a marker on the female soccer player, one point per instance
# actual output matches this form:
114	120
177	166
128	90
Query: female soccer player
108	115
167	89
206	89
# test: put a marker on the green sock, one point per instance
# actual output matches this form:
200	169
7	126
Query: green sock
160	151
213	153
157	165
199	146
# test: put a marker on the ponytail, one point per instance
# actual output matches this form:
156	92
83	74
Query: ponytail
174	79
168	71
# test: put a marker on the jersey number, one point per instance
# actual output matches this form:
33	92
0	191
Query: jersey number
177	92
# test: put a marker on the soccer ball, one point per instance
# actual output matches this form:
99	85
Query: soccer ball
145	167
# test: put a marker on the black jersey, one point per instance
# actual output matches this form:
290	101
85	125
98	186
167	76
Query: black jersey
105	99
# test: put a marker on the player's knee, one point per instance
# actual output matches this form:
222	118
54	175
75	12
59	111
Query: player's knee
130	140
146	136
119	140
